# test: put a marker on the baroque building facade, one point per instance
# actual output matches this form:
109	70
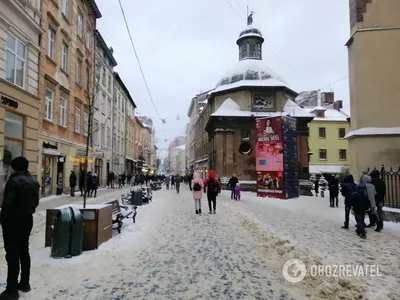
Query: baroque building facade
224	118
66	86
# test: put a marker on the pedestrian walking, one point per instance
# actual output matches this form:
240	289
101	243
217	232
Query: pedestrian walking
380	188
72	182
371	193
212	187
178	183
95	185
21	197
232	185
198	186
348	188
360	204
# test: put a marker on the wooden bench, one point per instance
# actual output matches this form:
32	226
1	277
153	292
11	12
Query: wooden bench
121	212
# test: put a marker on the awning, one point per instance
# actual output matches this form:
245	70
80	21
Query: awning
49	151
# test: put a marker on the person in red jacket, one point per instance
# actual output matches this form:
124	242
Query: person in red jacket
212	187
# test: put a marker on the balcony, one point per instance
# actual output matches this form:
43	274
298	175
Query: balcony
31	8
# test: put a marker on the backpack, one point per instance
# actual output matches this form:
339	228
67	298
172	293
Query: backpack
197	187
213	185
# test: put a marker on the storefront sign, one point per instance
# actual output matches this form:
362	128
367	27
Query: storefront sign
98	154
7	101
80	153
81	160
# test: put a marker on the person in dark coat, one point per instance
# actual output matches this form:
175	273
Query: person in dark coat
94	185
380	188
360	204
316	187
21	197
348	188
212	187
89	184
172	182
72	182
232	185
82	181
333	191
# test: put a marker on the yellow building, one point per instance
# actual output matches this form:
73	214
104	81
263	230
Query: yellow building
329	149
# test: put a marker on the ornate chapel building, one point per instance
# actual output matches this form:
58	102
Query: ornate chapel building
224	126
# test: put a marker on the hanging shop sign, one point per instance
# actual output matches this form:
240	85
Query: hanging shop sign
9	102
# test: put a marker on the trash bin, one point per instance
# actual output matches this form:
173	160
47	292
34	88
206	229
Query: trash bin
136	198
67	233
76	232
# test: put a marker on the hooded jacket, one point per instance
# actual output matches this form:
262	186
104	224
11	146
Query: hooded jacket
360	201
211	176
379	185
371	192
348	188
197	179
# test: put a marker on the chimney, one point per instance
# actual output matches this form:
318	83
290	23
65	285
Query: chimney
327	98
338	104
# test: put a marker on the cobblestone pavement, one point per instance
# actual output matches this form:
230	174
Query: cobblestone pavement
171	253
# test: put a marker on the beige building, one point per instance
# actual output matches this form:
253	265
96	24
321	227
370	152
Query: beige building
66	86
178	159
130	128
19	77
146	145
374	63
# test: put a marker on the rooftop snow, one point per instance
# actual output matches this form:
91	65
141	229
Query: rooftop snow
249	72
368	131
181	147
330	114
230	108
332	169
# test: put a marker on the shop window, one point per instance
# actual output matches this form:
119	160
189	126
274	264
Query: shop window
13	137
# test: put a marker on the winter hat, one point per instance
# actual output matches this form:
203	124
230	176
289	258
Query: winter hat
20	164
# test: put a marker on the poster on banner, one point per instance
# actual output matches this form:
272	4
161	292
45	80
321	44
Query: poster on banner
270	184
290	158
269	144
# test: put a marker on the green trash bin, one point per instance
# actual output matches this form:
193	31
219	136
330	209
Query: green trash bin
76	232
60	244
67	233
137	196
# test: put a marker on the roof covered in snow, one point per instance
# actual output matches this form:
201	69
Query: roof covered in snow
330	114
249	72
230	108
250	31
368	131
322	168
181	147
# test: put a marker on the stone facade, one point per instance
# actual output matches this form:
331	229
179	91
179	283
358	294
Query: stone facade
374	87
131	155
65	89
19	76
103	109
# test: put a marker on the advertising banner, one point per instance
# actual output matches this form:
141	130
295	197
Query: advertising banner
290	158
269	157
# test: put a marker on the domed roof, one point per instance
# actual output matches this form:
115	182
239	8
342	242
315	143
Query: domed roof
250	72
250	31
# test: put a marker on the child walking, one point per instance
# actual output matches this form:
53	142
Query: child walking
238	189
197	188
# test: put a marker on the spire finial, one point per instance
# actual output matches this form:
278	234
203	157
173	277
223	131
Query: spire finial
249	17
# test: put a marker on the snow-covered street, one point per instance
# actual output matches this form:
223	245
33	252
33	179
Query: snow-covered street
171	253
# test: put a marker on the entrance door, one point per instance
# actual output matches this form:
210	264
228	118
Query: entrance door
60	175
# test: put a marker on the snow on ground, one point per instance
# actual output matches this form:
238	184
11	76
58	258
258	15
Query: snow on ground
170	253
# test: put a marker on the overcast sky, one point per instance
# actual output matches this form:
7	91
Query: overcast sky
185	46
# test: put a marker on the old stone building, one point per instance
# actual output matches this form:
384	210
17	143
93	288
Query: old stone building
374	62
225	122
65	88
19	77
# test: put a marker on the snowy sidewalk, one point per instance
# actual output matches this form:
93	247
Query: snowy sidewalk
310	223
171	253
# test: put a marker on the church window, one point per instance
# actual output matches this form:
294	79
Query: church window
252	50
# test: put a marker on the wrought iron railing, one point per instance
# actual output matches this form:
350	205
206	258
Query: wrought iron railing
391	177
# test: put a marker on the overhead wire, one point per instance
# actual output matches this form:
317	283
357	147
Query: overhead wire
138	60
